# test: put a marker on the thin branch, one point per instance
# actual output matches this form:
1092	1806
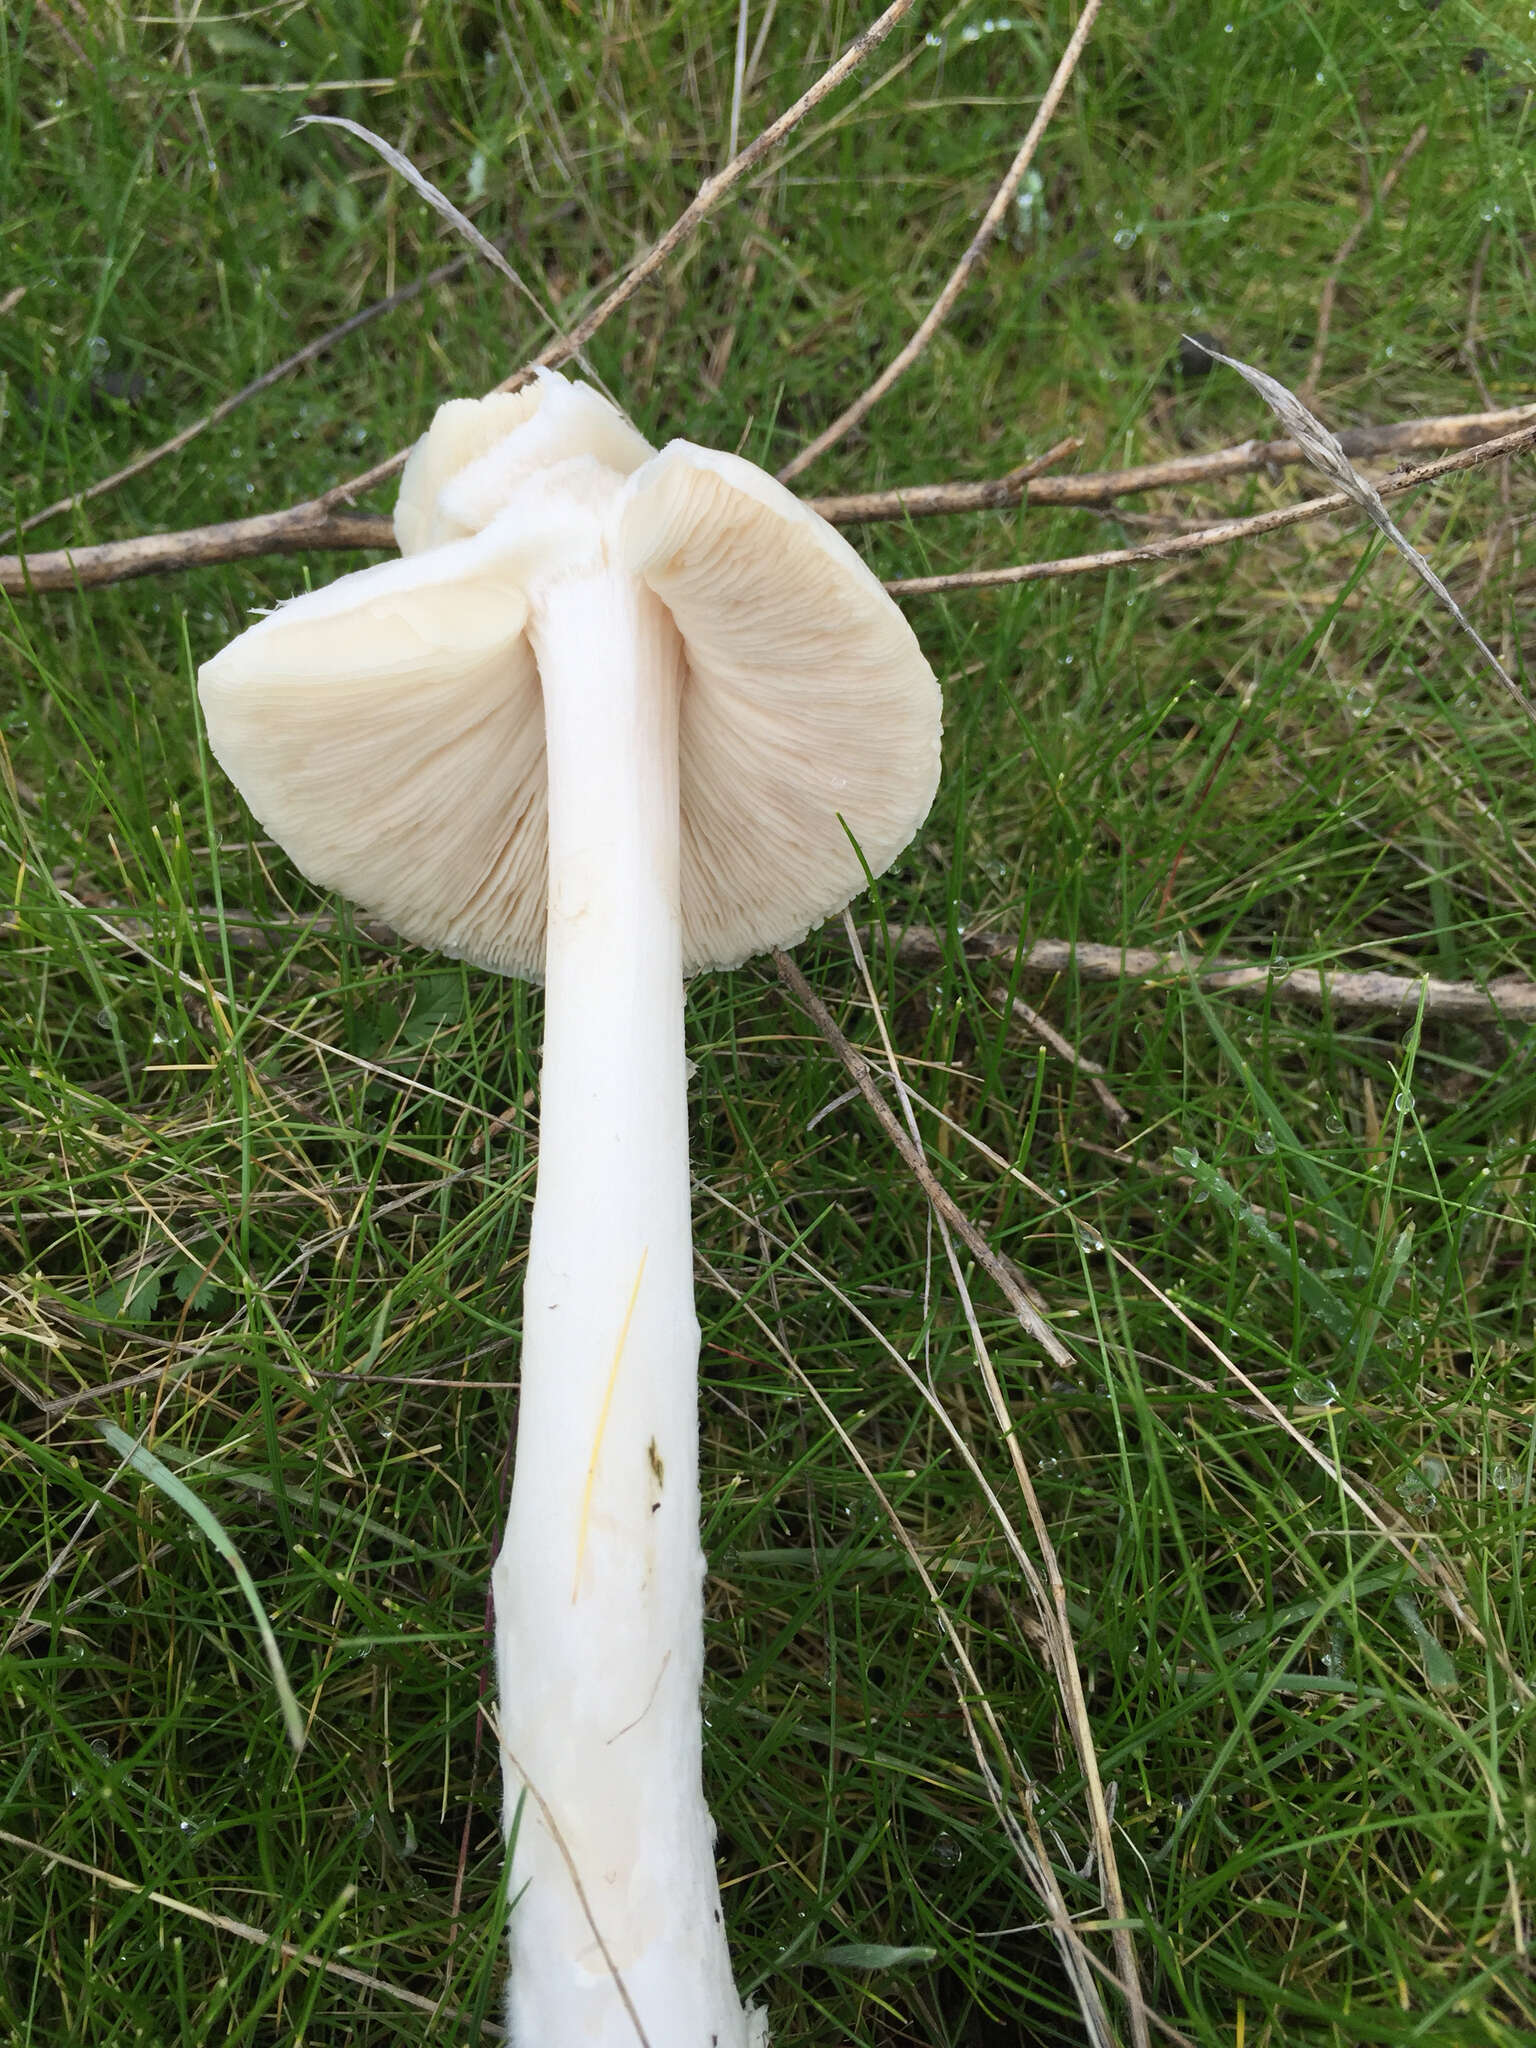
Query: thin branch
299	530
1509	1000
315	526
1040	1028
709	198
960	276
1205	537
1370	207
940	1197
264	382
1051	1596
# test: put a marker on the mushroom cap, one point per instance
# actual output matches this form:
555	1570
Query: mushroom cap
388	730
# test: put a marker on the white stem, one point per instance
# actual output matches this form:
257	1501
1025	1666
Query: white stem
616	1929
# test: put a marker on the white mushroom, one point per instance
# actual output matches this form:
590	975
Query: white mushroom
615	716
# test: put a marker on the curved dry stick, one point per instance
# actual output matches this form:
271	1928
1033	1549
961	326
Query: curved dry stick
960	276
314	526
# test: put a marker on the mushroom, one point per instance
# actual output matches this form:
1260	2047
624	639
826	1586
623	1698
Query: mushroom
615	716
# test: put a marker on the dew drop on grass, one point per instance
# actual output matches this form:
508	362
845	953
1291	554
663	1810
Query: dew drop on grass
1402	1102
946	1851
1264	1144
1312	1392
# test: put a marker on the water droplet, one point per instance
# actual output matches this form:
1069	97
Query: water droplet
946	1851
98	348
1280	965
1312	1392
1333	1124
105	1019
1264	1144
1402	1102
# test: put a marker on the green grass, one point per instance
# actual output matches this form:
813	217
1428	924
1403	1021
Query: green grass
266	1180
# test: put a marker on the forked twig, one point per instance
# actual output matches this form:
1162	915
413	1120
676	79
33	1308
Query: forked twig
960	276
1206	537
313	528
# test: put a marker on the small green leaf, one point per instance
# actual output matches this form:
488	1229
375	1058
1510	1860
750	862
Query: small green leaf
196	1288
131	1299
870	1955
439	1002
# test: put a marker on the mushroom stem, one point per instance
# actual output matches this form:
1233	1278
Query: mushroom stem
616	1930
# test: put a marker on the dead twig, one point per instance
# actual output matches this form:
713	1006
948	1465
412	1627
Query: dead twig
1206	537
1049	1590
1370	205
312	527
1509	1000
938	1195
1038	1027
960	276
